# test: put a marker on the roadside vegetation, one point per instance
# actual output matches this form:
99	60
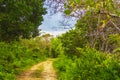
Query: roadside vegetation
90	51
17	57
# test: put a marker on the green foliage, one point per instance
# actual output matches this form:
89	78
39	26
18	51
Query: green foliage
56	47
14	58
100	21
109	6
20	18
67	12
114	40
39	44
72	39
91	65
98	29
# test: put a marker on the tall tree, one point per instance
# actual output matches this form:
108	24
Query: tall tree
97	26
20	18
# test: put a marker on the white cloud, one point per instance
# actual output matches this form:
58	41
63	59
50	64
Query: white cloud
52	25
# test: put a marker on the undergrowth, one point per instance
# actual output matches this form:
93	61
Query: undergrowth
15	57
90	65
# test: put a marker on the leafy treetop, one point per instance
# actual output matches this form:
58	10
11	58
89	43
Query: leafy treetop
20	18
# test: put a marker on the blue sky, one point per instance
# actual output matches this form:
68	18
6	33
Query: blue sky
52	25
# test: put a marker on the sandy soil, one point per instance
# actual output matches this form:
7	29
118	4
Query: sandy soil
40	71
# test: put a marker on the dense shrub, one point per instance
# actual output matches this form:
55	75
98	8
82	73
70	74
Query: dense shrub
41	43
91	65
72	39
56	47
14	57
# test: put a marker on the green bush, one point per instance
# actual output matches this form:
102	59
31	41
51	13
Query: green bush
56	47
14	57
91	65
39	44
72	39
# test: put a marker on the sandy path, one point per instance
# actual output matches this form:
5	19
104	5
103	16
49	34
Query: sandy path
41	71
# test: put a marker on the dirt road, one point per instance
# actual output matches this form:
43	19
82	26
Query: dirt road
40	71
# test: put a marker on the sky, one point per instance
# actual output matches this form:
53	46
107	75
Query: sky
56	24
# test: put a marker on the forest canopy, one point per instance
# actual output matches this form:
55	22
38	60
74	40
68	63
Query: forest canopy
20	18
99	25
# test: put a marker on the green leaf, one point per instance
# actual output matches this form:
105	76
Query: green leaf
77	1
67	12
